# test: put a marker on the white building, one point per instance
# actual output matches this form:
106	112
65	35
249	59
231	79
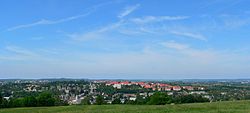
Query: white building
118	86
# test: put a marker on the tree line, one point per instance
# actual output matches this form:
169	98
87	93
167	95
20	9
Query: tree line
158	98
43	99
48	99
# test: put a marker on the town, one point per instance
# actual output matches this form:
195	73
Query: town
81	91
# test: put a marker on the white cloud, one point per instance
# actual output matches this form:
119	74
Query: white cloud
151	19
128	10
111	26
50	22
16	53
47	22
11	58
95	33
84	37
190	35
234	21
204	55
20	51
174	45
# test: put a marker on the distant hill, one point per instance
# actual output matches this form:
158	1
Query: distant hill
216	107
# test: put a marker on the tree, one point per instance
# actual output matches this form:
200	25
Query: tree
130	101
189	99
159	99
30	101
18	102
140	100
3	102
86	101
116	101
59	102
99	100
46	99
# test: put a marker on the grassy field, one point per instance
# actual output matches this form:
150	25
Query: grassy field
218	107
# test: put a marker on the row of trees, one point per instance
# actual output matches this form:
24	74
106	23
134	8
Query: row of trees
43	99
159	98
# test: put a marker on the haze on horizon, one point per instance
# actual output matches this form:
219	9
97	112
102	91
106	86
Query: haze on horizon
128	39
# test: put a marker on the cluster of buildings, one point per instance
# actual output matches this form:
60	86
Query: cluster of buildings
31	88
149	85
75	92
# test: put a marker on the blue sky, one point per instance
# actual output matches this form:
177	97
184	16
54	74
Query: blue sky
128	39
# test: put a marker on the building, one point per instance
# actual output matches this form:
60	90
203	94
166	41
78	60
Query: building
118	86
190	88
176	88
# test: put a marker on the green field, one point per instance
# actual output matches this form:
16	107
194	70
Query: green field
217	107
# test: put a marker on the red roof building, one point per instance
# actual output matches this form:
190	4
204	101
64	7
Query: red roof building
176	88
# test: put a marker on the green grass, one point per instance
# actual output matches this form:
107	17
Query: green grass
217	107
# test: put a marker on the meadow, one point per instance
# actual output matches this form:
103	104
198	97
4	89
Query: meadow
215	107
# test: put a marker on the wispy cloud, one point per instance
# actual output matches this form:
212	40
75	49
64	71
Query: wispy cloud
47	22
17	53
150	19
204	55
128	10
94	34
84	37
235	21
190	35
50	22
12	58
20	51
174	45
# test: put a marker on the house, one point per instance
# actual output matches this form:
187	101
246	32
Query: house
190	88
176	88
168	88
125	83
132	98
77	100
163	85
129	95
147	86
201	88
142	84
6	98
118	86
170	93
198	92
111	83
150	94
143	94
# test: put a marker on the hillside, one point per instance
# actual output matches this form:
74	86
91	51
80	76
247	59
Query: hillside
217	107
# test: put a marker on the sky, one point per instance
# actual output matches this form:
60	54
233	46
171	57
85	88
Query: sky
125	39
